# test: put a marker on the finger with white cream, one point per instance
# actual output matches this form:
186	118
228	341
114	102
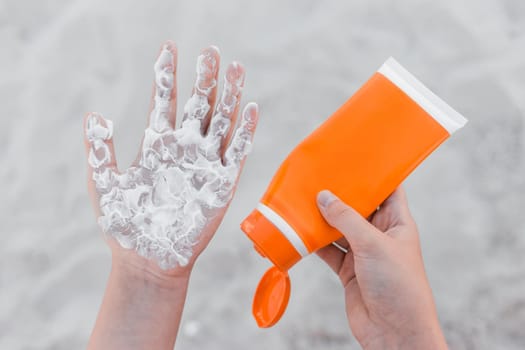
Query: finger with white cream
241	140
98	138
162	115
199	107
98	135
228	106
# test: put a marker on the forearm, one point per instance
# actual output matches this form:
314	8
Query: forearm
140	310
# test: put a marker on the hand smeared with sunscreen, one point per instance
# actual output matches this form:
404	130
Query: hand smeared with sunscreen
183	178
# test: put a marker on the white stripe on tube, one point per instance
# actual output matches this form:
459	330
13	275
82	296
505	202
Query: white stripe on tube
445	115
285	229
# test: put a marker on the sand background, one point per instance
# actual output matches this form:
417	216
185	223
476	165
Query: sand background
59	59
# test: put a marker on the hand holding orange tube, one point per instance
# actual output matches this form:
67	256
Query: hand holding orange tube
389	303
363	152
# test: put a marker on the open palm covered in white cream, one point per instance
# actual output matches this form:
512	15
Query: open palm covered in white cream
169	203
160	213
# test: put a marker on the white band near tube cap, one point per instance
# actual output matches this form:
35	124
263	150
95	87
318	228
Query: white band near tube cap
285	229
445	115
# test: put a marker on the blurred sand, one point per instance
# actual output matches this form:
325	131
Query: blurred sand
59	59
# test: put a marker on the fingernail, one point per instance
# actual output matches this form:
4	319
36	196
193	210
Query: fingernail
325	198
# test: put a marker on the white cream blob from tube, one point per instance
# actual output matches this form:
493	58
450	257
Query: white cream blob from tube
160	206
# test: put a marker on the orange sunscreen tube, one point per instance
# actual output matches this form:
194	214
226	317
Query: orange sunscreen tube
361	153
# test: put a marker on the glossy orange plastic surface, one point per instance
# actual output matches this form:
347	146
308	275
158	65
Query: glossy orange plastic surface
271	297
361	153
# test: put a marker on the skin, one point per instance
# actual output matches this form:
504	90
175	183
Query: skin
389	303
143	303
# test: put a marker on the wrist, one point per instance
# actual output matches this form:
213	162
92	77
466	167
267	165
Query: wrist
137	269
147	277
